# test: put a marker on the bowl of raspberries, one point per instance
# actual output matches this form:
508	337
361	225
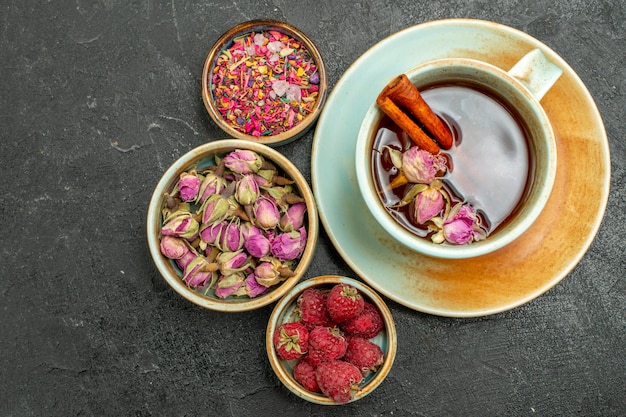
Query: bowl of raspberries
331	340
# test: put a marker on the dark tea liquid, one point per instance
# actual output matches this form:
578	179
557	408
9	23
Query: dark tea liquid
488	165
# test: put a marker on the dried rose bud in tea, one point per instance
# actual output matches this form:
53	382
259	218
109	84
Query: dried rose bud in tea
265	83
235	229
411	184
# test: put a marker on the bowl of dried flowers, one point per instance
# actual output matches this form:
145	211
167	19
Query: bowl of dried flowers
331	340
264	81
232	225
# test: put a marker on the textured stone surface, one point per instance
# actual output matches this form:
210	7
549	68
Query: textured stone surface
98	98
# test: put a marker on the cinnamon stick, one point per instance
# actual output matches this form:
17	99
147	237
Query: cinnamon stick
417	135
406	96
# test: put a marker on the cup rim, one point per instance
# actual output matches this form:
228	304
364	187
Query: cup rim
541	188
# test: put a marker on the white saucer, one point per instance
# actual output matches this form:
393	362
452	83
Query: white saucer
489	284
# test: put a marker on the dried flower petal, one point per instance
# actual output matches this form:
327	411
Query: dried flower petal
420	166
293	93
280	87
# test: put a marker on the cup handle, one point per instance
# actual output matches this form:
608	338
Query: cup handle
536	72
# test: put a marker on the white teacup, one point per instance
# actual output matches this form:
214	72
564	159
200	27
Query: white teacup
511	210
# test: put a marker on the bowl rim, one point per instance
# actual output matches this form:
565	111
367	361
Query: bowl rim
278	312
153	225
423	246
246	27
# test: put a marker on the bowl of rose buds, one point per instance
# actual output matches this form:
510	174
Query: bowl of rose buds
232	225
264	81
331	340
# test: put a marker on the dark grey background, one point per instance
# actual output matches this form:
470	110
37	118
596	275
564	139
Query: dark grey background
98	98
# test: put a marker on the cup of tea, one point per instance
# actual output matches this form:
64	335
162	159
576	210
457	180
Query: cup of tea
457	158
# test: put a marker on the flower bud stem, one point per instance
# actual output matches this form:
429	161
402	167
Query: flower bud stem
291	198
285	272
172	204
210	267
398	181
249	212
278	180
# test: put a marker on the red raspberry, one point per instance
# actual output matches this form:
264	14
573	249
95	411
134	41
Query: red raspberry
313	312
366	325
304	373
325	344
339	380
291	340
364	354
344	302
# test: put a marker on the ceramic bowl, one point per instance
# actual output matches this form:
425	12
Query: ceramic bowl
201	157
284	311
237	127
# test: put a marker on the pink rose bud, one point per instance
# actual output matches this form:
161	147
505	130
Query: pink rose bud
257	245
264	177
173	247
231	262
293	218
253	288
186	259
181	225
247	190
212	184
287	246
248	230
199	279
266	270
428	204
420	166
230	238
188	186
267	274
459	228
211	233
266	213
228	285
194	276
215	209
243	161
